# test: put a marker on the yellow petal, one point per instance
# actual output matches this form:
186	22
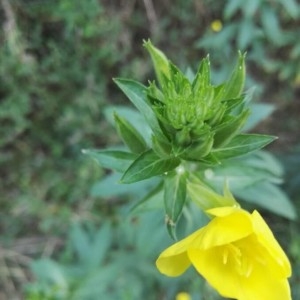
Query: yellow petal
258	285
222	211
267	240
262	284
174	261
173	265
227	228
209	263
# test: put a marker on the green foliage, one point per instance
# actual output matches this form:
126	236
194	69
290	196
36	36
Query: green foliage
267	30
147	165
189	120
136	93
114	262
53	89
57	58
196	128
253	178
130	136
112	159
242	144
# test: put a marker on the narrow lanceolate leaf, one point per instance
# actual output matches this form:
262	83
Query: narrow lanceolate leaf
130	136
148	165
112	159
270	197
136	93
234	86
243	144
174	198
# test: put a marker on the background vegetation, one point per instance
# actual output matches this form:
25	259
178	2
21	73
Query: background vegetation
57	58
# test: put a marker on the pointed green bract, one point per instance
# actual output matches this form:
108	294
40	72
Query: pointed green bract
160	62
130	136
199	148
229	129
148	165
202	80
234	86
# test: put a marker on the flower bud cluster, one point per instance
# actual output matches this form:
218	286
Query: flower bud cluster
195	116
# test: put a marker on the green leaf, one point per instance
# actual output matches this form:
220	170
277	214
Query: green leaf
100	246
174	199
271	26
241	172
161	148
112	159
243	144
152	201
109	188
199	148
148	165
291	7
269	197
232	7
137	120
250	8
80	242
234	86
259	112
130	135
136	93
246	33
49	271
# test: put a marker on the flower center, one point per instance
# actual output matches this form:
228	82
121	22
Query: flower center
233	257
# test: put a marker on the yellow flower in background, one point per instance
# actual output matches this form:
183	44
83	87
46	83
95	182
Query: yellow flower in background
236	253
183	296
216	25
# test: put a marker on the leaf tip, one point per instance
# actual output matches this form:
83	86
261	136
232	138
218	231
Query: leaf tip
147	43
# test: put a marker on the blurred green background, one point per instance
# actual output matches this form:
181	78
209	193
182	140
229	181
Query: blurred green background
60	237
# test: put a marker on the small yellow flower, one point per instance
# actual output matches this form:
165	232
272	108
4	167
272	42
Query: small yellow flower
237	254
183	296
216	25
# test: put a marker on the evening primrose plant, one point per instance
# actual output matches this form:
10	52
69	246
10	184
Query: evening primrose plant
183	126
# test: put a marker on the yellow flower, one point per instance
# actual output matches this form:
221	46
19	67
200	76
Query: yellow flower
237	254
183	296
216	25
